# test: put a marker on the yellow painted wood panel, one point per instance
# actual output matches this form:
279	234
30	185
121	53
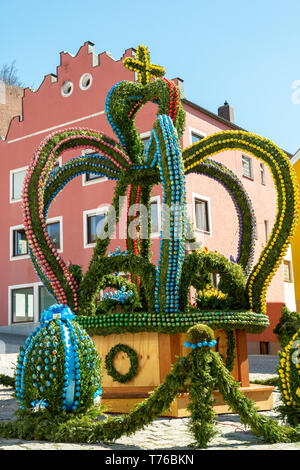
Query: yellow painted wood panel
262	395
146	347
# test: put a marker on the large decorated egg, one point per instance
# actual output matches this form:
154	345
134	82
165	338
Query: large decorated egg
58	366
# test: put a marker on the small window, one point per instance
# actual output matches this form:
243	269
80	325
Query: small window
95	224
264	347
247	167
67	88
45	299
215	279
196	137
85	81
262	174
22	305
154	217
17	181
146	142
202	215
287	266
20	244
53	229
266	225
93	177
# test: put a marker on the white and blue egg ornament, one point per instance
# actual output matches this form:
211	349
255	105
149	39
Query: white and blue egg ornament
58	366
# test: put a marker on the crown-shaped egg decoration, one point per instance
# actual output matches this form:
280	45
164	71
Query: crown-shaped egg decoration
163	289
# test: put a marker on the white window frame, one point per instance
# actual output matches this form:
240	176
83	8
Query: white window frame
206	199
145	135
99	211
289	263
11	243
60	220
251	167
11	185
35	303
157	200
39	284
192	130
101	179
18	227
21	227
262	169
266	230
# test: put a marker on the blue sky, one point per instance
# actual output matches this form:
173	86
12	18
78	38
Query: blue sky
247	52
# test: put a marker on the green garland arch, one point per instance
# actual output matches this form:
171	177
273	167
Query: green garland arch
243	206
232	281
286	184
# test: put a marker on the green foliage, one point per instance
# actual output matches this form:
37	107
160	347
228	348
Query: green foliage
45	370
134	322
86	428
201	391
242	203
288	325
109	363
273	381
232	280
7	380
202	370
212	298
289	381
260	425
76	272
287	202
199	333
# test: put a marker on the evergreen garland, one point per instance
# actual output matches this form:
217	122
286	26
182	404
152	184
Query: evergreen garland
289	324
110	368
130	165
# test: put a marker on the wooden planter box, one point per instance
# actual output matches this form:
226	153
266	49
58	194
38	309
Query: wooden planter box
156	353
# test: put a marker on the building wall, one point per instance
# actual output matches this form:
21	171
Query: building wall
10	105
47	109
296	241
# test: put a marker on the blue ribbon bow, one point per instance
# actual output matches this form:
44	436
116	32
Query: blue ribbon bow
57	311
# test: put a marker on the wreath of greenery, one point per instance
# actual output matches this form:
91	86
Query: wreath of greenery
134	363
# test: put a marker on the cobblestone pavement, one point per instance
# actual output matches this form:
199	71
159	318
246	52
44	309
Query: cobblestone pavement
163	433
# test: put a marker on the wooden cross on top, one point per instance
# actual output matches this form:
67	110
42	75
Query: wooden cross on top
142	65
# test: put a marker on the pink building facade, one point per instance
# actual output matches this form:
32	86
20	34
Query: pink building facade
75	97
